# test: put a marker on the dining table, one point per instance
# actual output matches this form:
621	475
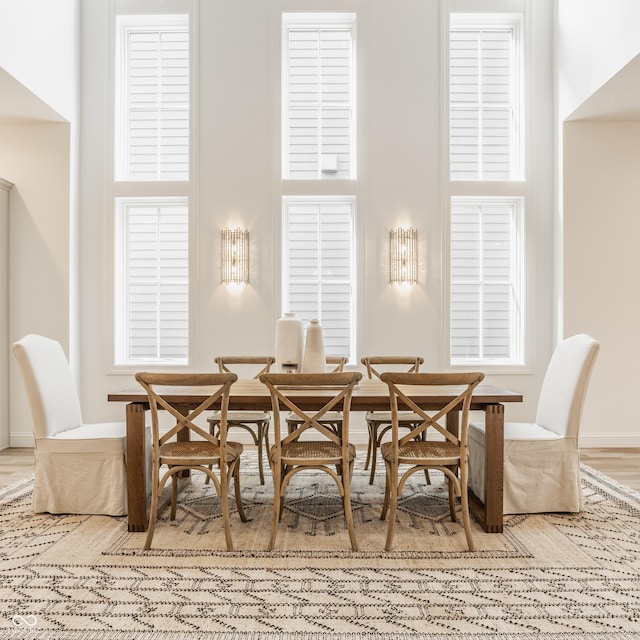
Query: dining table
369	395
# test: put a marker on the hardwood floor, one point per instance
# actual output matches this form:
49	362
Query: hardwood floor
15	464
622	465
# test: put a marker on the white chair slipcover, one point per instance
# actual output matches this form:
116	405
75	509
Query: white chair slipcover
542	459
79	468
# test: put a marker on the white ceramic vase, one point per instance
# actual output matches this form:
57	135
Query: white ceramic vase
314	360
288	343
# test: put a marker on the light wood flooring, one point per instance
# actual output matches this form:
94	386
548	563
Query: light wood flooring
622	465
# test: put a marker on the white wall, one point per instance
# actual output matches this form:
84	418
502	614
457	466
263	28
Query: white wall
4	313
38	114
598	202
602	262
36	158
400	181
38	45
596	38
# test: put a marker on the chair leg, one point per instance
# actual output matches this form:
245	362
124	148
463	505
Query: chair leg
393	503
153	510
277	478
261	436
385	503
371	439
346	487
224	505
464	500
212	431
374	453
174	495
452	497
236	485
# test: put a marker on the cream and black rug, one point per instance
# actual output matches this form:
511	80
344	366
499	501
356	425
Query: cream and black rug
555	576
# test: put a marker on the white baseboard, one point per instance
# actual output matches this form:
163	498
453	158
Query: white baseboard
608	441
24	439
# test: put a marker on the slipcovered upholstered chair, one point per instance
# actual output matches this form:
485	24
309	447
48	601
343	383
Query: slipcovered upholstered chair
542	459
175	450
256	423
447	452
379	422
79	468
312	445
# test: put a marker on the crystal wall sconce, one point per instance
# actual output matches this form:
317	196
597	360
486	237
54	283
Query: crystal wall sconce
235	256
403	252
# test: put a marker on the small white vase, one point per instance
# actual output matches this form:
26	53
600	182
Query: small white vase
288	343
314	356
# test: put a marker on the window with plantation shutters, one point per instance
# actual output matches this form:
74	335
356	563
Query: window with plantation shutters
152	115
486	289
318	96
318	267
154	279
484	94
486	305
151	187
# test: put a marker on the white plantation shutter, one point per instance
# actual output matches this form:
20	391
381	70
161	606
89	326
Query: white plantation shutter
485	271
318	96
318	274
484	94
154	279
151	151
152	118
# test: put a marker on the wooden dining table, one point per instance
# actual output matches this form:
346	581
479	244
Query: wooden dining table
369	395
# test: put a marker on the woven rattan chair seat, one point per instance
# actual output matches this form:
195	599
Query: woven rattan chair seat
385	416
235	417
324	452
173	452
441	452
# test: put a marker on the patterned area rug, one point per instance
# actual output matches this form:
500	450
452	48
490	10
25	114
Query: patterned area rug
552	576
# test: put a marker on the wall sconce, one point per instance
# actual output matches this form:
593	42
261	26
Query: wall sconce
235	256
403	252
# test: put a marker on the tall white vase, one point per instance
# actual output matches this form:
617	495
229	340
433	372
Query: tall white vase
288	343
314	360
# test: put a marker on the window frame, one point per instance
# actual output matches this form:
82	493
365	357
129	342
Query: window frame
518	259
486	190
323	200
129	189
334	188
123	279
344	20
495	21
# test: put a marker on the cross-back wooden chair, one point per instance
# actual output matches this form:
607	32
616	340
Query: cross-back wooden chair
448	453
256	423
379	422
175	450
311	444
332	419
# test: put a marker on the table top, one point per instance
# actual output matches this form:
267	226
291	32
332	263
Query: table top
369	395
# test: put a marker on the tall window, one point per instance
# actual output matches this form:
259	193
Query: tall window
318	96
318	151
486	280
318	266
486	249
151	151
